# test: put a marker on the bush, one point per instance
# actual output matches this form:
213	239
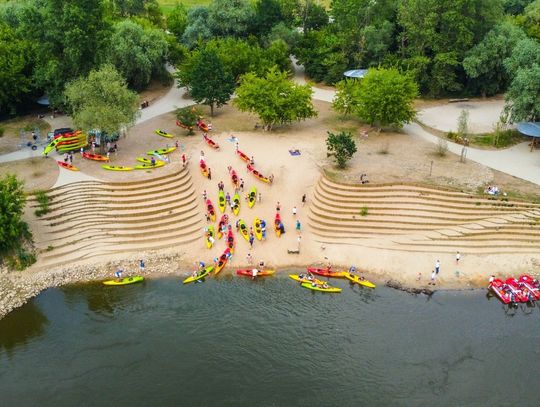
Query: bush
364	211
442	148
43	200
21	260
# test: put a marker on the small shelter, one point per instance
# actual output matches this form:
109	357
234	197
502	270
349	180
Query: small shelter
531	129
356	73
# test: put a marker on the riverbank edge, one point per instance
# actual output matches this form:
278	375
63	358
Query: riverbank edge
17	288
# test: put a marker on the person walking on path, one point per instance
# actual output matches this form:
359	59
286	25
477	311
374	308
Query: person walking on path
458	257
437	267
303	199
298	226
294	210
141	265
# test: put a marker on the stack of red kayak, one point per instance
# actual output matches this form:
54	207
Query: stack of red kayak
513	290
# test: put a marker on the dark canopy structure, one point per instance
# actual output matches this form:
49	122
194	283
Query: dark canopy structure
356	73
531	129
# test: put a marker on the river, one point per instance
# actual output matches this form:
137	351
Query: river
236	342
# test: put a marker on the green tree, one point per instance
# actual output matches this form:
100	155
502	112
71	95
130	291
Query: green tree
15	69
71	35
515	7
485	61
530	20
12	227
274	98
267	15
198	28
342	146
138	53
102	101
211	83
230	17
525	54
346	99
177	20
523	96
188	116
385	98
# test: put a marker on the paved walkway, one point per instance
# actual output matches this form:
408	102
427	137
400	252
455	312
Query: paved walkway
517	160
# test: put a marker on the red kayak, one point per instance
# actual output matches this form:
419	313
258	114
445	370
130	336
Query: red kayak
222	261
249	272
243	156
67	166
498	287
202	125
277	225
519	294
95	157
326	272
257	174
234	178
531	284
180	124
230	241
223	221
211	142
204	168
210	209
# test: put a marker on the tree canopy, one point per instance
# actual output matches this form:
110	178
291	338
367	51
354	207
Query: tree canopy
12	201
342	146
102	101
274	98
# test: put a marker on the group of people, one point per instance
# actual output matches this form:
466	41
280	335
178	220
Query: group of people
492	190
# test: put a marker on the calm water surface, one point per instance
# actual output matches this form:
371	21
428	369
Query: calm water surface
237	342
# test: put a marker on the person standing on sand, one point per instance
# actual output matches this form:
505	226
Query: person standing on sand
294	210
433	276
458	257
299	240
228	199
183	160
249	258
204	195
242	184
209	174
259	198
141	265
278	207
298	225
251	239
202	156
303	199
437	267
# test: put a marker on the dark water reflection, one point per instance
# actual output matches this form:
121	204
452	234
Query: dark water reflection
237	342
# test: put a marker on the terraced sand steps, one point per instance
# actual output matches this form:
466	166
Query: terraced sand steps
421	218
95	218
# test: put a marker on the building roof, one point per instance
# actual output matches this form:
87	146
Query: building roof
529	128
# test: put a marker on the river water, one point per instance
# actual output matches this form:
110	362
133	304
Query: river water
236	342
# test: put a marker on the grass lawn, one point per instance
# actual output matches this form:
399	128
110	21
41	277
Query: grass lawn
167	5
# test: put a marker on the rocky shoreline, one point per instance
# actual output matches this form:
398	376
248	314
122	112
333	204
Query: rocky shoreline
17	288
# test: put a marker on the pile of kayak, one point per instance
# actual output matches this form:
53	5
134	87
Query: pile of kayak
513	290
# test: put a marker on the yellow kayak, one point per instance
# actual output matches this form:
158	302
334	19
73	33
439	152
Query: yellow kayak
221	201
356	279
236	201
296	277
124	281
257	228
252	197
161	151
209	234
144	160
116	168
328	289
157	164
243	229
163	133
200	275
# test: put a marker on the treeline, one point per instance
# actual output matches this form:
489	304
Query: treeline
449	47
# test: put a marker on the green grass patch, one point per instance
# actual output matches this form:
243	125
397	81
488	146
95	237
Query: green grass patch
167	5
43	202
505	138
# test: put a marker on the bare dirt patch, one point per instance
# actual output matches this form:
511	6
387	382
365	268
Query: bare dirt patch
11	139
37	173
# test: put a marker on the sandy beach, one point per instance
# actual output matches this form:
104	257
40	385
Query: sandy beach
419	208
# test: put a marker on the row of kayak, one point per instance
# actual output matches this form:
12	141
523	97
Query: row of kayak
513	290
